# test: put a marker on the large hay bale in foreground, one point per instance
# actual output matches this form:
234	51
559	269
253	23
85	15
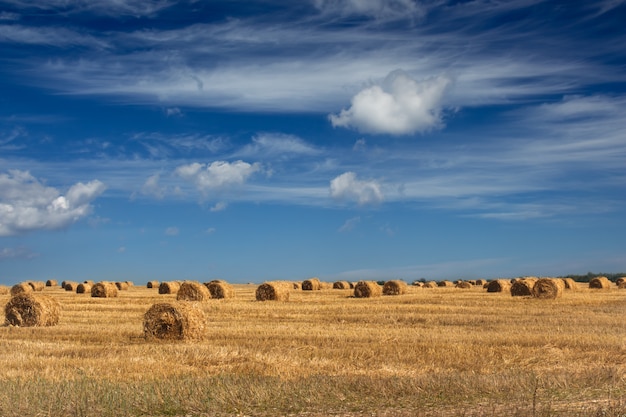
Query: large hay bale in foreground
499	285
169	287
548	288
600	283
104	290
341	285
311	284
570	284
84	288
367	289
193	291
273	291
152	284
20	288
523	287
174	321
220	289
395	287
51	283
30	310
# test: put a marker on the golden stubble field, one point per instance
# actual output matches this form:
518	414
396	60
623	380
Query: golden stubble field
438	351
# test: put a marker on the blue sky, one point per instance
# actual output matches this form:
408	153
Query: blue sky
346	139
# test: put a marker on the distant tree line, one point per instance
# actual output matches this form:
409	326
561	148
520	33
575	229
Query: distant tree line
590	275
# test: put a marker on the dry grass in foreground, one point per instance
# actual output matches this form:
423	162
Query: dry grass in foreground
430	352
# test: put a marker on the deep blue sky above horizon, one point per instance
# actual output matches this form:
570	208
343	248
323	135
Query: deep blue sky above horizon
347	139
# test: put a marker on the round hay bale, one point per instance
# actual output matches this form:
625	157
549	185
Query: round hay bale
523	287
367	289
83	288
89	281
620	281
570	284
297	285
30	310
174	321
169	287
273	291
220	289
193	291
600	283
104	290
445	283
5	289
129	283
70	286
622	285
417	284
37	285
20	288
499	285
152	284
548	288
51	283
341	285
311	284
465	285
481	282
395	287
326	285
430	284
122	286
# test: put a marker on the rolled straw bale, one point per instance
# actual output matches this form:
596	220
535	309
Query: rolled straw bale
20	288
273	291
30	310
129	283
367	289
601	283
104	290
89	281
430	284
63	284
193	291
570	284
220	289
83	288
70	286
37	285
499	285
481	282
326	285
417	284
174	321
464	285
169	287
122	286
548	288
152	284
395	287
341	285
5	289
445	283
297	285
622	285
523	287
311	284
51	283
620	280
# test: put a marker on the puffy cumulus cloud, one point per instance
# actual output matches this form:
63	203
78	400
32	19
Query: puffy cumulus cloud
399	106
28	205
348	187
218	174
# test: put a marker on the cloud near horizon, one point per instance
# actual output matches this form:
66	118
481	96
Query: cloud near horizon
27	205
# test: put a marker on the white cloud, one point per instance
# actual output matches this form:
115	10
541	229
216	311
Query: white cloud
210	230
153	188
121	249
347	187
172	231
219	206
28	205
277	144
17	253
400	106
350	224
218	174
377	9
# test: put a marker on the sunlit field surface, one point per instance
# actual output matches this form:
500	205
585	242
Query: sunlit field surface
438	351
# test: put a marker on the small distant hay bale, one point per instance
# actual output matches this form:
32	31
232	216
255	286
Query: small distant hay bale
152	284
121	285
169	287
297	285
104	290
174	321
445	283
70	286
37	285
499	285
570	284
417	283
89	281
465	285
273	291
600	283
523	287
311	284
548	288
5	289
83	288
20	288
341	285
430	284
620	281
129	283
32	310
193	291
367	289
220	289
622	285
395	287
51	283
326	285
481	282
